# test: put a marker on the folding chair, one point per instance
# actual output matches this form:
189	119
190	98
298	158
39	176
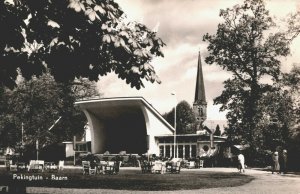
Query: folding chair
93	171
86	167
157	168
101	167
110	168
201	163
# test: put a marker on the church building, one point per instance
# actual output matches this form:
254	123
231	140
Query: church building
200	143
133	125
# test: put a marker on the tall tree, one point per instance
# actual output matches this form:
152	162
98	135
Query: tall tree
37	104
246	46
185	118
74	38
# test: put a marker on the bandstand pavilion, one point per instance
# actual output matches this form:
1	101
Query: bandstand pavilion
133	125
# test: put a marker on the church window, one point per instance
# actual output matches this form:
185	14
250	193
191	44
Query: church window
200	110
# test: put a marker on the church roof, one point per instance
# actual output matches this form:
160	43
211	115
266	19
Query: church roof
200	90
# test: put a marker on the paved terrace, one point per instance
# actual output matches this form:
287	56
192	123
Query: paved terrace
264	183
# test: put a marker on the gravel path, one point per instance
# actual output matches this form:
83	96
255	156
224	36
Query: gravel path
264	183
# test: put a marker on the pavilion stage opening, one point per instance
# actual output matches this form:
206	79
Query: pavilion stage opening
127	124
127	132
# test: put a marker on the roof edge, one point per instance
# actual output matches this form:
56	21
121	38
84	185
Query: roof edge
142	99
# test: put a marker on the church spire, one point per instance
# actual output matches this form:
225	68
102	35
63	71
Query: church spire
200	104
200	90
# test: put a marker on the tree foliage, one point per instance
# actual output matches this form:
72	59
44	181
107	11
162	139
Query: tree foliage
74	38
185	118
37	104
246	45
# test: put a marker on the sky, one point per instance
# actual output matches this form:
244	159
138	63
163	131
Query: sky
181	25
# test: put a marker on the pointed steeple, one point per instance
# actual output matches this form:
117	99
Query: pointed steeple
200	90
200	104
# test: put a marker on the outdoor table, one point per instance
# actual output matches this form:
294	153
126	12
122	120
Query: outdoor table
101	167
110	167
21	166
158	167
50	166
36	165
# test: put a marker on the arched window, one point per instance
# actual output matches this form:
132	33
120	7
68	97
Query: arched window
200	110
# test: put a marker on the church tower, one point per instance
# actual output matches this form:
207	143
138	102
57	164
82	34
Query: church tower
200	104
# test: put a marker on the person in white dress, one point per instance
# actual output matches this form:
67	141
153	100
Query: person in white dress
241	159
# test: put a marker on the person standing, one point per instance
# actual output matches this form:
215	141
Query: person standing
284	161
241	159
275	159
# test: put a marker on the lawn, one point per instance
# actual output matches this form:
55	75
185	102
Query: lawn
132	179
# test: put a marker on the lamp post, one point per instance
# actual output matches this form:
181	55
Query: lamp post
173	93
212	134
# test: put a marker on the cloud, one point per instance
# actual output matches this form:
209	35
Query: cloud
182	24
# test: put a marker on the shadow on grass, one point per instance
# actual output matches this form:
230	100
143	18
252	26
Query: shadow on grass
131	179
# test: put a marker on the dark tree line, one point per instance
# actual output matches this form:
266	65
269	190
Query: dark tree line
35	105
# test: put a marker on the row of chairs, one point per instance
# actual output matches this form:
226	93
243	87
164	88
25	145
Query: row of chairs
34	166
160	167
193	164
103	167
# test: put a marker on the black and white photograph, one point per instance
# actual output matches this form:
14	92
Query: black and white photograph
149	96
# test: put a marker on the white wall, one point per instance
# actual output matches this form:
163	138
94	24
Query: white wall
155	127
69	149
97	133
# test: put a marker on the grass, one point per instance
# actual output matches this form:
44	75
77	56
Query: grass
133	179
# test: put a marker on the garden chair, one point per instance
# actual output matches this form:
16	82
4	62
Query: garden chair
146	166
87	169
157	167
201	163
175	168
110	167
13	167
191	164
101	166
61	165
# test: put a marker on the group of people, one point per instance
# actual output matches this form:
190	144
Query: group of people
279	159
